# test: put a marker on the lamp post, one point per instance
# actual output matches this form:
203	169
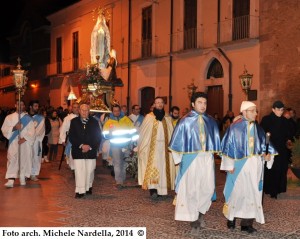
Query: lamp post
246	81
191	89
20	80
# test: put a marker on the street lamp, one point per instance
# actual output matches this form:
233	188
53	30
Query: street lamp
191	89
72	96
20	80
246	80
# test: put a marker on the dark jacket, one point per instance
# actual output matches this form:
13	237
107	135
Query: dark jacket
90	135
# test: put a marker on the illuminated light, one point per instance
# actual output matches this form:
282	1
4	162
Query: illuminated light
121	132
33	85
132	131
72	96
120	140
135	137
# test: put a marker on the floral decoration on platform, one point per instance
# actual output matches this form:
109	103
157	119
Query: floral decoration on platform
132	163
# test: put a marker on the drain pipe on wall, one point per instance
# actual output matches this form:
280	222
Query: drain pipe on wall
129	55
225	56
230	79
171	57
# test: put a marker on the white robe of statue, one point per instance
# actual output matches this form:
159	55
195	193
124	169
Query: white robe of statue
100	42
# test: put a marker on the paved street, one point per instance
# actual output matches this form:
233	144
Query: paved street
50	202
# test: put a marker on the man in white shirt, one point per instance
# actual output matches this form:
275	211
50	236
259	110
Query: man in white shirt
63	132
136	117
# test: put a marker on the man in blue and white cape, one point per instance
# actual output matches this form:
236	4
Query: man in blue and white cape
18	133
39	124
194	141
243	157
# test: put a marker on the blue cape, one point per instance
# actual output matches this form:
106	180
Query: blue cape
185	138
235	141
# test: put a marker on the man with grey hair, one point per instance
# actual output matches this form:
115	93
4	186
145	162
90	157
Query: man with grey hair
85	137
63	134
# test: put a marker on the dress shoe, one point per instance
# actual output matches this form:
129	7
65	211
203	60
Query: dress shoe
231	224
10	183
34	178
89	192
201	220
195	231
119	186
274	196
79	195
22	181
248	229
154	196
195	224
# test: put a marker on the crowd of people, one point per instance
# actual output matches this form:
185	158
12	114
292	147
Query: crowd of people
173	153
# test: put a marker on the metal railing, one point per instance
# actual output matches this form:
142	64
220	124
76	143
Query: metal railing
190	38
146	48
239	28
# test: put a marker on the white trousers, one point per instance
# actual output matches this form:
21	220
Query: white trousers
36	158
84	174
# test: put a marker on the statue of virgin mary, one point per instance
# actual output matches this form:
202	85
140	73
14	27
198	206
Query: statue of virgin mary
100	43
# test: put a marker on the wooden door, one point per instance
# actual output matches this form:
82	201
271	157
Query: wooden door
215	100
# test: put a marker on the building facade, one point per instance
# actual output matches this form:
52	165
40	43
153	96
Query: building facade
171	48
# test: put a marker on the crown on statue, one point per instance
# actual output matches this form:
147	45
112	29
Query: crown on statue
99	11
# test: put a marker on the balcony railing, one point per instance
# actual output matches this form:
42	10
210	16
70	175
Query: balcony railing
188	39
238	28
149	48
146	48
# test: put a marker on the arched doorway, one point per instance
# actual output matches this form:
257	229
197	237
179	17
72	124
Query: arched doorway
215	93
147	98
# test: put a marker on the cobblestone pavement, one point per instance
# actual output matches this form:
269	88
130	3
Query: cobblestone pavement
50	202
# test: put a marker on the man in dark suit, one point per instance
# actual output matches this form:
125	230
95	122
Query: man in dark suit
85	137
275	179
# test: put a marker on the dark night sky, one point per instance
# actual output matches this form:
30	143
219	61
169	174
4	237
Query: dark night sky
15	10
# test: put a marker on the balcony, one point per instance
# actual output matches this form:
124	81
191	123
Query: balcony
149	48
239	28
187	39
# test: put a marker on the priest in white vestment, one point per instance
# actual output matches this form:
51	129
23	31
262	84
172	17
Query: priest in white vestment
244	148
194	141
156	168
